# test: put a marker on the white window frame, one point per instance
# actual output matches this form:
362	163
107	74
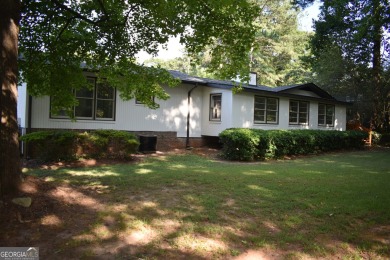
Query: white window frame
92	81
215	113
266	110
300	111
325	115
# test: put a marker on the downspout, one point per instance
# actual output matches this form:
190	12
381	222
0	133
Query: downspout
29	115
189	116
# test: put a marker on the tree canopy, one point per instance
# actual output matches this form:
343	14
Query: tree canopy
279	45
275	54
104	36
351	54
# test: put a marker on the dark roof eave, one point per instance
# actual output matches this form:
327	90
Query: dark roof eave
299	97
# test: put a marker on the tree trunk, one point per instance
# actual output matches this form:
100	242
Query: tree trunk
9	144
377	119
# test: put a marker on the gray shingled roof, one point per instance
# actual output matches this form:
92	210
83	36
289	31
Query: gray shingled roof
214	82
281	90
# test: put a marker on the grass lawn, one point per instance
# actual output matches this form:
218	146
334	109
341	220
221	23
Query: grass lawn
188	206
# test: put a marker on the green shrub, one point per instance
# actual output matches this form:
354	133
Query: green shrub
249	144
53	145
375	137
65	145
385	139
240	144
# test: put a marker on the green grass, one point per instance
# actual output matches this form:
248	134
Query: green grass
322	206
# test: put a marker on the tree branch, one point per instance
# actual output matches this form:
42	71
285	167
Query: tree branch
103	7
78	15
64	28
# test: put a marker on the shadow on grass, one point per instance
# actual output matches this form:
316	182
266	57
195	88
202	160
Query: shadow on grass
189	207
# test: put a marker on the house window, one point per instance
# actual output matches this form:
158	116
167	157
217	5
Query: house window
97	103
299	112
137	102
215	107
266	110
325	115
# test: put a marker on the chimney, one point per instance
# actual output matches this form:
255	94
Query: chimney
252	78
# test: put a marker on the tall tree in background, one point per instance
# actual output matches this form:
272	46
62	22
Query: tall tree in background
350	49
184	64
275	54
59	39
279	45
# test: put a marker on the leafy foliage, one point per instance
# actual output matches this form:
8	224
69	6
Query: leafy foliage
67	145
350	55
279	45
58	40
275	54
250	144
53	145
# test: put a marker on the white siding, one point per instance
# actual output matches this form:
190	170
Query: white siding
237	110
213	128
22	105
243	113
302	93
171	116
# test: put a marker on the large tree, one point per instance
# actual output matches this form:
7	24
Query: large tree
279	44
9	152
275	54
350	49
60	39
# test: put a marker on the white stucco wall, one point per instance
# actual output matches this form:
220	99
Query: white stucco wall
171	116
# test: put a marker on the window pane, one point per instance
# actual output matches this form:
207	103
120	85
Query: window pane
260	116
303	107
260	106
321	120
329	110
329	119
272	107
321	109
105	109
302	118
85	108
293	118
293	114
260	102
293	106
215	106
87	93
271	116
104	91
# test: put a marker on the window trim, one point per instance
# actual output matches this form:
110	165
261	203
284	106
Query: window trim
325	115
211	108
94	104
266	111
298	112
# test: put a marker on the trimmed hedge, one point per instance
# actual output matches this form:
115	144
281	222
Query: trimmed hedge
68	145
250	144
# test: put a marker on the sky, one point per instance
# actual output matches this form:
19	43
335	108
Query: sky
175	49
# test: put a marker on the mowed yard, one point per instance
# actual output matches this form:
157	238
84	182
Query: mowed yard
188	206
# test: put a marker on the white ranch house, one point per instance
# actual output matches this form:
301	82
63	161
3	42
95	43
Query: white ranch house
206	106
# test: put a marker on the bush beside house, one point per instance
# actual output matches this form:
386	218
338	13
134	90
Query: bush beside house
250	144
68	145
